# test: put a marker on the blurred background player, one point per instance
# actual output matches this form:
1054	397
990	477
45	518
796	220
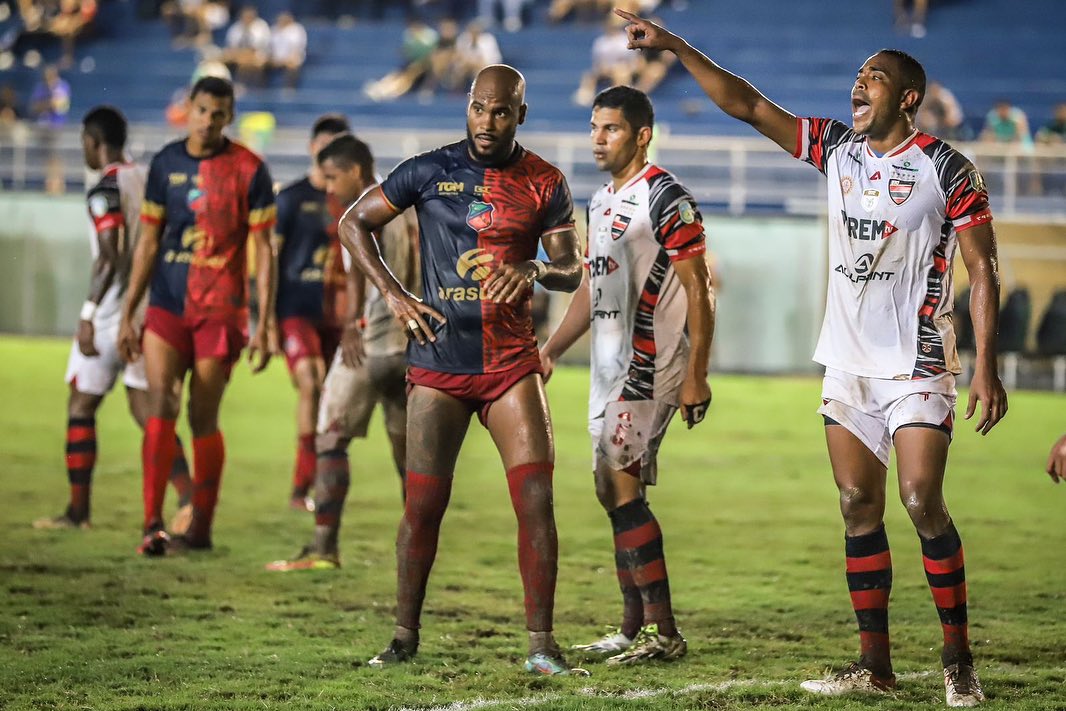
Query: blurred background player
311	299
371	366
906	200
646	276
205	196
483	204
94	365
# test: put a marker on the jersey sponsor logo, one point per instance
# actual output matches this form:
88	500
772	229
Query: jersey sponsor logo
867	230
197	200
862	271
976	181
480	189
447	187
98	205
876	176
906	167
686	212
474	264
869	199
607	212
846	184
177	178
619	225
313	206
479	215
602	266
900	190
461	293
317	272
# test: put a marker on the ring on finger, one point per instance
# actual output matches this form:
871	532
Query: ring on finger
412	324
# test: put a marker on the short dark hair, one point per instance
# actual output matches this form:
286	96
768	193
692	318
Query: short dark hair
330	123
107	125
634	103
346	150
215	86
911	72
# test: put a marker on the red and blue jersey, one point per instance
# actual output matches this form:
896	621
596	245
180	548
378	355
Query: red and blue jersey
472	218
311	281
207	207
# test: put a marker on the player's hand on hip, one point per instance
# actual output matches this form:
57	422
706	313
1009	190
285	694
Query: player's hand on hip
414	317
129	342
1056	461
645	34
352	352
87	338
510	282
987	389
259	349
695	400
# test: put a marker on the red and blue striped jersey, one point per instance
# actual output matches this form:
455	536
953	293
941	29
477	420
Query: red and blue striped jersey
207	207
473	217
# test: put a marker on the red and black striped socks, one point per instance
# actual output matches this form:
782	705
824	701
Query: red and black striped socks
81	459
946	573
331	489
869	573
530	486
638	551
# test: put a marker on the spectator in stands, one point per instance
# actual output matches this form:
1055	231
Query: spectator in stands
1056	461
1054	132
512	13
1006	124
474	50
49	106
288	47
10	111
419	42
193	21
941	114
73	19
247	49
561	9
1050	176
443	61
612	62
910	16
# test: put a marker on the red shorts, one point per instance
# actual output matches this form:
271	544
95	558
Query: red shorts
198	338
478	391
301	338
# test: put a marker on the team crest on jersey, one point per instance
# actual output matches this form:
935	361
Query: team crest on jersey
976	181
900	190
619	225
686	212
197	200
869	199
479	215
846	184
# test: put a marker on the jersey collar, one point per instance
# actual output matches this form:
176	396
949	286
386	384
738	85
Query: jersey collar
907	143
632	181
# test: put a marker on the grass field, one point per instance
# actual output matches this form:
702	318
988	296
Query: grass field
753	542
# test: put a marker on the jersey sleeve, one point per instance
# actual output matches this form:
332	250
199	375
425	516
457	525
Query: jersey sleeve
105	208
965	192
558	207
262	211
676	220
403	187
817	138
153	208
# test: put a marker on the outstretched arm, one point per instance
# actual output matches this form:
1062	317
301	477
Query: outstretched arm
733	94
978	247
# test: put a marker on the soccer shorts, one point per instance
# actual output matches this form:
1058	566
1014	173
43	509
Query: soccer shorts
478	391
628	434
96	375
301	338
873	409
350	394
198	338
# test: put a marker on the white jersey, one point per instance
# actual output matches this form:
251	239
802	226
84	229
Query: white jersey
639	348
893	227
115	203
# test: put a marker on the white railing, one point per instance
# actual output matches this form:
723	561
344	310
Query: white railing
737	175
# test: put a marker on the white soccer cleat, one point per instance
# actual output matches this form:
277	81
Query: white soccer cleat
962	688
653	647
611	643
854	678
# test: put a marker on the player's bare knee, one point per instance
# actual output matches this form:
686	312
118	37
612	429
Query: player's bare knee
861	505
330	442
927	511
82	405
164	403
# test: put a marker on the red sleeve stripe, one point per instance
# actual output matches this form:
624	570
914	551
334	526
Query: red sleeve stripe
110	221
682	235
978	218
555	230
387	201
798	152
151	219
693	250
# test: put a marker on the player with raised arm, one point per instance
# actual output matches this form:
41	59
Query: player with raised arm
645	280
483	205
370	368
311	296
900	202
205	196
94	365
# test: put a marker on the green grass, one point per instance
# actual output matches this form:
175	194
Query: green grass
753	539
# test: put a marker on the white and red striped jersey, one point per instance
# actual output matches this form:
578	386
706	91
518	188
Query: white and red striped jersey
638	345
115	203
894	222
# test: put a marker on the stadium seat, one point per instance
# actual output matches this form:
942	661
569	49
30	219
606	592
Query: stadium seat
1013	328
1051	339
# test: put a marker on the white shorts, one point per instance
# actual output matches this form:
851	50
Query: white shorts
631	431
96	375
350	394
873	409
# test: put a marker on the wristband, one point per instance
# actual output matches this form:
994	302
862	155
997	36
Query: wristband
88	310
539	269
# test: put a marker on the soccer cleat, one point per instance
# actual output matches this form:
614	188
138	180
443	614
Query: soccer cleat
154	543
306	559
395	653
962	688
611	643
654	647
302	503
179	525
551	663
855	678
64	521
181	545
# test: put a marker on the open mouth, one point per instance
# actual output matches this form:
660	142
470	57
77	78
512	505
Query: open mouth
859	107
